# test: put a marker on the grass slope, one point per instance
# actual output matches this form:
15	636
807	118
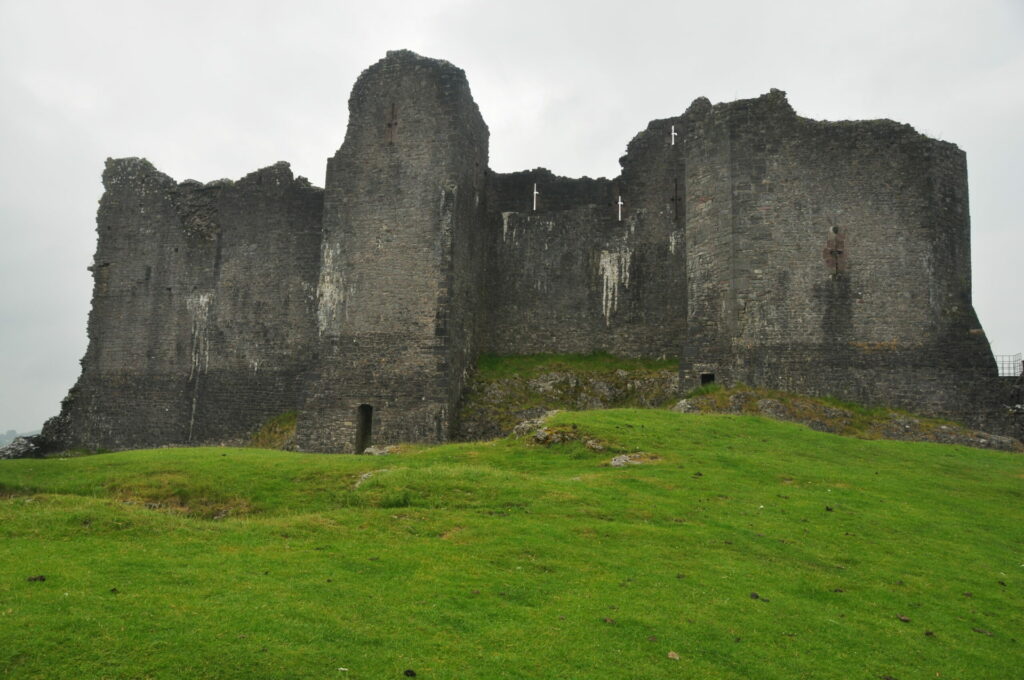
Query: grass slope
511	560
827	414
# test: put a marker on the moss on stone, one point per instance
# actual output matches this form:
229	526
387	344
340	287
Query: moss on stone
276	433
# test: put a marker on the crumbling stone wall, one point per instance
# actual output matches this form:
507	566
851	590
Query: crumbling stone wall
261	341
195	334
755	245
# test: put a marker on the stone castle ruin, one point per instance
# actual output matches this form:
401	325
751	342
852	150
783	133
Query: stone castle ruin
757	246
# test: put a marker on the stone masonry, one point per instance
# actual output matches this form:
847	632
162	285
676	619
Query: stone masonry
754	245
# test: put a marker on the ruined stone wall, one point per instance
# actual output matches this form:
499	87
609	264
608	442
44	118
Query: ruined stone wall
513	192
828	258
194	334
758	246
261	339
400	266
571	276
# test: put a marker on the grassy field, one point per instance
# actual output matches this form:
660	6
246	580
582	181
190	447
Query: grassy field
742	548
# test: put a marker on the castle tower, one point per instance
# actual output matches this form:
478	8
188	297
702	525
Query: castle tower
828	258
400	261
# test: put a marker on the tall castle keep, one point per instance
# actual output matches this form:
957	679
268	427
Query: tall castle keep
755	245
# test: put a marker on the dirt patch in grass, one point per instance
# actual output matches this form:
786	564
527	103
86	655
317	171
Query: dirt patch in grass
177	494
200	508
639	458
451	533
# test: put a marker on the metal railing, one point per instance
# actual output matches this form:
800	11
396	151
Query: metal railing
1009	365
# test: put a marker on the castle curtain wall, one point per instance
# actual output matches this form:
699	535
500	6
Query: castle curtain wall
571	276
261	337
134	387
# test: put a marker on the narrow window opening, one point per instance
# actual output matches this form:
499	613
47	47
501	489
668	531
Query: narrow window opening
707	378
364	427
676	200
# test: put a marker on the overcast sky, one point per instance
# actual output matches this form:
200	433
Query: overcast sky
208	89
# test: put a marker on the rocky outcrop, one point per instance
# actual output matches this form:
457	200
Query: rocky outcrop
494	407
23	447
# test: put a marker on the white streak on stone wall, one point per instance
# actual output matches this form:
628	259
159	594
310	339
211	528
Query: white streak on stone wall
673	240
331	290
614	269
198	305
504	225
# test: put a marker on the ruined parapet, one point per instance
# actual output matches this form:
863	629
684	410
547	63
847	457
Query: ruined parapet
828	258
513	192
401	261
186	305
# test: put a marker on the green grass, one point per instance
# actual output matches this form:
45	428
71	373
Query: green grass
703	390
828	413
510	560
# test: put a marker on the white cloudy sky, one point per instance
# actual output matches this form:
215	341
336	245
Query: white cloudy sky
209	89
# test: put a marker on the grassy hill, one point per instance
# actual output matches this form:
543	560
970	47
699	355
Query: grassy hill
739	547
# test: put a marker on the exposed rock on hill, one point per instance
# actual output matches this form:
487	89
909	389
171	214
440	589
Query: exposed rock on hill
22	447
495	405
826	415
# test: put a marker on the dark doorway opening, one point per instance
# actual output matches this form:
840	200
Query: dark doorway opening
364	427
707	378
